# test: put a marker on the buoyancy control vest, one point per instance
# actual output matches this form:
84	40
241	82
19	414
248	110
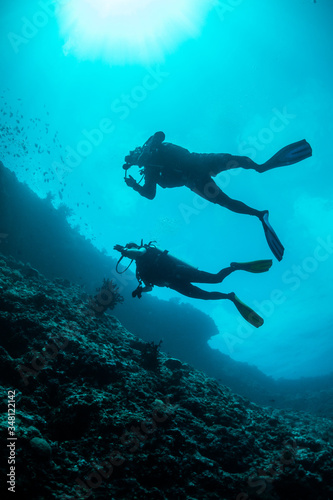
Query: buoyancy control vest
169	165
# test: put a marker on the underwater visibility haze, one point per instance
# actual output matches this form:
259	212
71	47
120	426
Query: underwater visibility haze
85	82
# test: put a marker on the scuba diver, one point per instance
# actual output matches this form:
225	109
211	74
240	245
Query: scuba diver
168	166
158	267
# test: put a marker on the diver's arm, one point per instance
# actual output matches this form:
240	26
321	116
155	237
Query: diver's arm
148	190
133	253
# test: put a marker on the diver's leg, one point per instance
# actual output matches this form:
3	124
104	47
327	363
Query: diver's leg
215	163
257	266
197	276
241	162
211	192
293	153
194	292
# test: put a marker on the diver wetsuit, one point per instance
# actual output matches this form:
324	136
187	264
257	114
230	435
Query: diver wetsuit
157	267
168	166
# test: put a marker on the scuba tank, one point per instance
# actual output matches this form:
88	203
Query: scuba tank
151	145
151	244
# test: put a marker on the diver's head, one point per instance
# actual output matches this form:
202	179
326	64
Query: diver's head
132	158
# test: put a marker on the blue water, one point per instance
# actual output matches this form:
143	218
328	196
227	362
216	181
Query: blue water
245	77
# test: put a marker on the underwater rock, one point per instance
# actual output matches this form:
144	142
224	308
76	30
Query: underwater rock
41	448
173	364
30	272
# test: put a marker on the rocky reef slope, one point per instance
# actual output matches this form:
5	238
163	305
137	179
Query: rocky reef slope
101	413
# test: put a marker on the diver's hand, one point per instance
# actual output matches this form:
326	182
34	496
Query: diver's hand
119	248
130	181
137	292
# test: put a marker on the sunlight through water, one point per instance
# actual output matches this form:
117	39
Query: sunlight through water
129	31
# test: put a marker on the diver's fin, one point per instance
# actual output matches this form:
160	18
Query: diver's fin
249	314
256	266
273	241
288	155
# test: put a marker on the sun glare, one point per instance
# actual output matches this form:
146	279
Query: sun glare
121	31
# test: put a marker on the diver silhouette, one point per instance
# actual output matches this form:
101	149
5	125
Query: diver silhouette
169	166
158	267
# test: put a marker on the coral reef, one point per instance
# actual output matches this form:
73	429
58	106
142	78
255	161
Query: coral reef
91	419
107	298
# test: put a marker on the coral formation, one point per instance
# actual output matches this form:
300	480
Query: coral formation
90	418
